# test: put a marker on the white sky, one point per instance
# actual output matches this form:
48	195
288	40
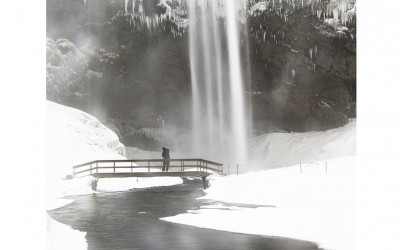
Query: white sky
23	122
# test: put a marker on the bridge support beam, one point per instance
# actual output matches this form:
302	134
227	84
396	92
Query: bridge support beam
94	184
206	184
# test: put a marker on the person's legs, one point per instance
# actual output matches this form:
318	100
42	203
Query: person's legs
167	165
164	164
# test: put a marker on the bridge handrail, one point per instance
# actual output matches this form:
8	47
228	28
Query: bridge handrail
201	163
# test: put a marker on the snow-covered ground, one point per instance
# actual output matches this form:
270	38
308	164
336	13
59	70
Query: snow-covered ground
313	205
314	202
75	137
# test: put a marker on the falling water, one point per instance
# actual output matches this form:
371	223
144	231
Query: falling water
220	122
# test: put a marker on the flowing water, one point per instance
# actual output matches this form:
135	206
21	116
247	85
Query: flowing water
130	220
220	107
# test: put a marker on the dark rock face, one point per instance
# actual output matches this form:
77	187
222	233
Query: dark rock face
305	79
301	76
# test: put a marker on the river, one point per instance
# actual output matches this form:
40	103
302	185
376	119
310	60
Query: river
130	220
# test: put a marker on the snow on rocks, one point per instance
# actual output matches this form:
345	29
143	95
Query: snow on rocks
285	149
75	137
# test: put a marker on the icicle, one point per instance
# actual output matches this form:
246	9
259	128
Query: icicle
133	6
85	1
126	6
315	50
265	33
310	52
140	6
283	35
335	14
293	73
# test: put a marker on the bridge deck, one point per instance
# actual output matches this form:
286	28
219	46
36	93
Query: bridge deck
152	174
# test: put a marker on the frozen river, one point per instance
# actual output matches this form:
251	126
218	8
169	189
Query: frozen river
130	220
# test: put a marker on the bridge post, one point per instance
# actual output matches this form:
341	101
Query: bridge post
94	184
148	166
114	166
326	167
97	167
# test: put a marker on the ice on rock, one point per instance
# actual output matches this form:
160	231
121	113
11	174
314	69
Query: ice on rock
259	7
140	10
335	14
90	74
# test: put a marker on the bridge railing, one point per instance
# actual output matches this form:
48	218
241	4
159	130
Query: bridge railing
146	165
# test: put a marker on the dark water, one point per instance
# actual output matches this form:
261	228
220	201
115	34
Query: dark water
130	220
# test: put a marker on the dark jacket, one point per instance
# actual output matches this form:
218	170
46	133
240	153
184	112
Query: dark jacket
165	153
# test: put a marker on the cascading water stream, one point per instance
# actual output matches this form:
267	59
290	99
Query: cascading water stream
220	121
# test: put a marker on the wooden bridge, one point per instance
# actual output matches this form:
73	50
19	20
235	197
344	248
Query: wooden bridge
148	168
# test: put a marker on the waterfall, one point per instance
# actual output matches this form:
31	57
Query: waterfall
219	117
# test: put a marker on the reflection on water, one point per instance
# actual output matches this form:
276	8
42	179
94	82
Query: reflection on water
130	220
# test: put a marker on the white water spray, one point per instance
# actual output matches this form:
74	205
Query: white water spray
220	123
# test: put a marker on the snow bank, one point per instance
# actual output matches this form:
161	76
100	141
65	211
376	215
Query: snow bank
314	203
60	236
124	184
75	137
285	149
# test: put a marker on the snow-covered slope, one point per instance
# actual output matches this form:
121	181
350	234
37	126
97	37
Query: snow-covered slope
285	149
75	137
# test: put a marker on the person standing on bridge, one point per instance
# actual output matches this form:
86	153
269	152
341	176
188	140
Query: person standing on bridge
165	155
